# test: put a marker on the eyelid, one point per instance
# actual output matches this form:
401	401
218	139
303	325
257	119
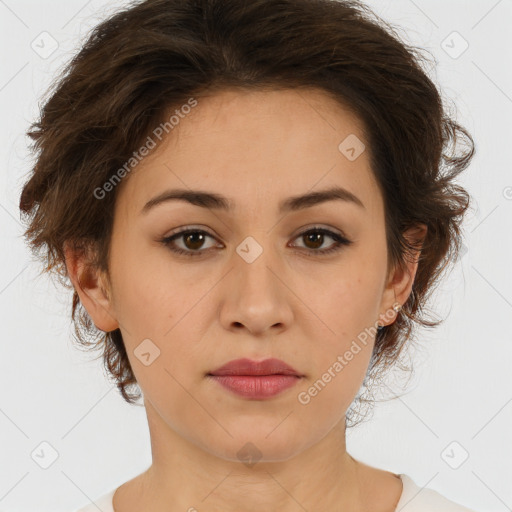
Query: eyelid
318	227
303	230
187	229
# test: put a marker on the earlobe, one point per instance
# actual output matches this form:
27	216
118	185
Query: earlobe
90	285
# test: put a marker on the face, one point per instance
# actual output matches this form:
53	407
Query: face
265	278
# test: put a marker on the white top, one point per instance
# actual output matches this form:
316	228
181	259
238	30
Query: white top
412	499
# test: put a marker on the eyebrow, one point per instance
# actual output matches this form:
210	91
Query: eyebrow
218	202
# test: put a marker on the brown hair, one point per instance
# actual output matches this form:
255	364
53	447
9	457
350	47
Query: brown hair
153	56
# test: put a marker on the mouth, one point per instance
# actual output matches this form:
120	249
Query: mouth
256	380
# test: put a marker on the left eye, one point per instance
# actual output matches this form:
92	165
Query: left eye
194	239
317	237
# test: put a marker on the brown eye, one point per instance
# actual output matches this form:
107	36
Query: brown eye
315	238
193	241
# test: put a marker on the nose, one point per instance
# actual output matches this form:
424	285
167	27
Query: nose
256	296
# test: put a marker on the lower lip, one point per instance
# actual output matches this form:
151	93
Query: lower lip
256	387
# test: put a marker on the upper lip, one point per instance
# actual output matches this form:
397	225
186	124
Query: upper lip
249	367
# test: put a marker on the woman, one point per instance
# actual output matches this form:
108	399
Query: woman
252	201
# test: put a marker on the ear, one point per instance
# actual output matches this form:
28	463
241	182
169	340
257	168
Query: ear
401	279
92	287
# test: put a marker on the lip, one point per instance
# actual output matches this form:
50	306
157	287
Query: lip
256	368
256	379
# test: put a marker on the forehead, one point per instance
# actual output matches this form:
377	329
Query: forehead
254	145
286	112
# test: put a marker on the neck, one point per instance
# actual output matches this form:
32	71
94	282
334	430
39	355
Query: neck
184	476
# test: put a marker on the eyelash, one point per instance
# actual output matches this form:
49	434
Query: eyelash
340	242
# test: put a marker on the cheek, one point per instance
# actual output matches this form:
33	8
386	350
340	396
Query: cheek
351	306
340	369
159	315
349	310
145	300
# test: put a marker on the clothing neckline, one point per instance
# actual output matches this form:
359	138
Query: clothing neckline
409	489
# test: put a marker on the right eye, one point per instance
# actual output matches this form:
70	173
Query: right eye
194	237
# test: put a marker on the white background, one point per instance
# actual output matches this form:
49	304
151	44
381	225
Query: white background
461	388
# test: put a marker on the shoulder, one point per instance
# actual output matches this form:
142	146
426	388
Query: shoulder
420	499
103	503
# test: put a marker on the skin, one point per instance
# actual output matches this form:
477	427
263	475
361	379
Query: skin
256	148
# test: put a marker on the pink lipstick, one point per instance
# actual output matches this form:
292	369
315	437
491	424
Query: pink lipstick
256	380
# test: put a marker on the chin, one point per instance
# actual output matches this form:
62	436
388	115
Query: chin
257	445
